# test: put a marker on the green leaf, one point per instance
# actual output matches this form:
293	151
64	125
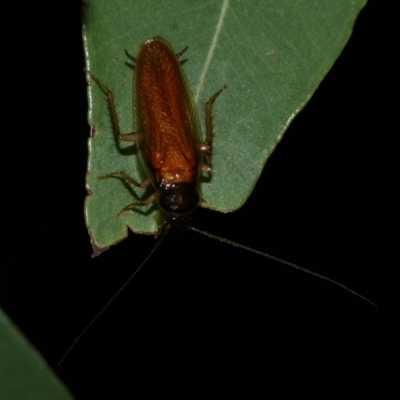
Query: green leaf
23	373
271	54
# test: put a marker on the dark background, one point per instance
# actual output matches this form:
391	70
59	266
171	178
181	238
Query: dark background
203	319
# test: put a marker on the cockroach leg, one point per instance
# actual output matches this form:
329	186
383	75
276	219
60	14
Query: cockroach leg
143	185
124	175
209	128
131	137
128	137
203	147
111	104
137	204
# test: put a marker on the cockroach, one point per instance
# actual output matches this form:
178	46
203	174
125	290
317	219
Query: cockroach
169	133
170	141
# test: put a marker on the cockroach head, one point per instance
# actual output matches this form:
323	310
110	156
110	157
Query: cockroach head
178	221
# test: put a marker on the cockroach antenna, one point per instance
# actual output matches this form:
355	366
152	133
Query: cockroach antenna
164	232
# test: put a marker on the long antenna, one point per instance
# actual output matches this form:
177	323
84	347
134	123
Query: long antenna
165	230
289	264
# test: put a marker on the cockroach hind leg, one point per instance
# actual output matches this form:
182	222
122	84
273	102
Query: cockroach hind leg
208	112
216	94
111	103
104	87
131	137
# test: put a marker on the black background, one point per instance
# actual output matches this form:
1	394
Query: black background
203	319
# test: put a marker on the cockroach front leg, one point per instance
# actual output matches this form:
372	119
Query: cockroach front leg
143	185
137	204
